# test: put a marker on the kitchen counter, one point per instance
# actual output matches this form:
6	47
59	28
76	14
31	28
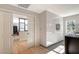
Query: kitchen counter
72	35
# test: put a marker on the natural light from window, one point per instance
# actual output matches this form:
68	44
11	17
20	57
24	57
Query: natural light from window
21	23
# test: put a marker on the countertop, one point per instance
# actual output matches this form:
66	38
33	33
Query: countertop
72	35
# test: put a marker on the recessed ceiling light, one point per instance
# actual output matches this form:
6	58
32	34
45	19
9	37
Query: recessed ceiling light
24	5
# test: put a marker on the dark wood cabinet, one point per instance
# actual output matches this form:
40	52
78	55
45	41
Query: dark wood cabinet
72	44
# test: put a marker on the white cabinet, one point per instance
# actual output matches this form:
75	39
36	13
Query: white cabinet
48	33
5	32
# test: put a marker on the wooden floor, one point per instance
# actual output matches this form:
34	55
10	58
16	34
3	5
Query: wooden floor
20	47
39	50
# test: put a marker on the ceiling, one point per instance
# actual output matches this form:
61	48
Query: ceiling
59	9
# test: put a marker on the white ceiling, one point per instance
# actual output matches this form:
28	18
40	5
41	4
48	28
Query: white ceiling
59	9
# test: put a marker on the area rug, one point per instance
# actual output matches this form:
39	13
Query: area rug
60	49
52	52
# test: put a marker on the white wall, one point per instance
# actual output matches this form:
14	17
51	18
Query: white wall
43	29
54	35
48	30
37	31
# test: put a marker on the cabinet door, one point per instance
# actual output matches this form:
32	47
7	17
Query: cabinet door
1	34
7	33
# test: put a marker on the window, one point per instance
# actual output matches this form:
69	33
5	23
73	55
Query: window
16	22
21	23
26	25
70	26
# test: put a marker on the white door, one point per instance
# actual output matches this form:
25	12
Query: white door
5	32
1	33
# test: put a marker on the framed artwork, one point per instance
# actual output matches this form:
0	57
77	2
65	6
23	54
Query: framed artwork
57	26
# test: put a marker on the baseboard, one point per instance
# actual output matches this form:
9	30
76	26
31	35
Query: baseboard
51	44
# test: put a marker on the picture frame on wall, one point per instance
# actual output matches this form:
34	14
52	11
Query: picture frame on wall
57	26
